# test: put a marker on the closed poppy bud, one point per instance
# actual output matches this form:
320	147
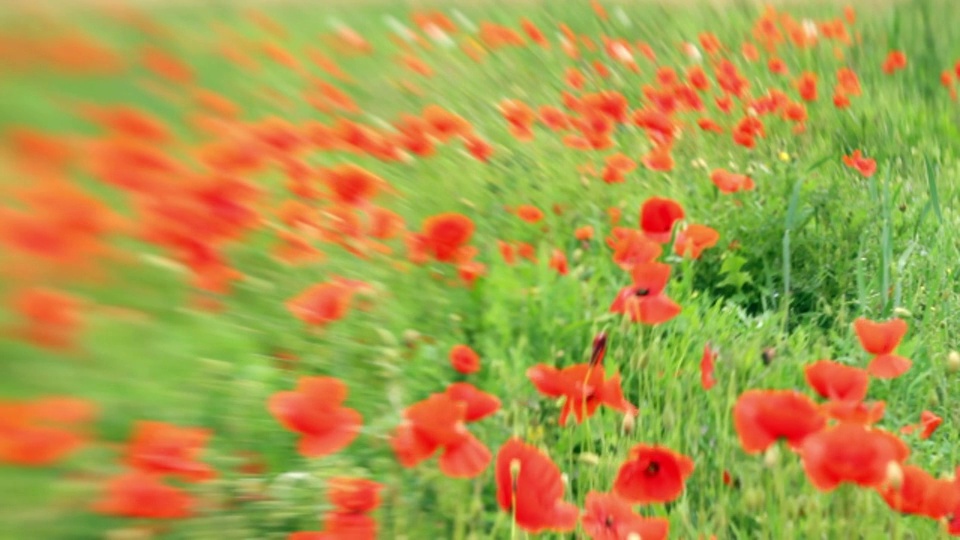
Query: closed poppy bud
753	498
628	423
771	456
589	458
953	362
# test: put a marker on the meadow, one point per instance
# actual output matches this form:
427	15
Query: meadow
470	270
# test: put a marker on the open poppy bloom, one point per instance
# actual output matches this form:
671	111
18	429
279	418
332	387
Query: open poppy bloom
42	431
351	185
353	499
165	449
652	474
929	423
558	262
464	359
836	381
142	495
864	165
438	423
645	301
882	339
49	318
693	239
584	387
446	235
315	411
895	61
850	453
529	213
356	495
728	182
529	487
657	217
855	412
761	417
632	247
323	303
920	493
608	517
479	404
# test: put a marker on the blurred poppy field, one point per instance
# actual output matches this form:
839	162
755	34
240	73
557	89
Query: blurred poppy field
479	269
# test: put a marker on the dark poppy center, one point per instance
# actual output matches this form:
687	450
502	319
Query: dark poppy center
608	522
652	469
641	292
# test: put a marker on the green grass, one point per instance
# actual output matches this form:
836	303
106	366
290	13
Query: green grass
818	246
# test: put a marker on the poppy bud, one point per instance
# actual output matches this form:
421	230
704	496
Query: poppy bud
387	337
953	362
628	423
768	355
771	456
933	400
590	458
894	475
753	498
410	337
130	533
901	312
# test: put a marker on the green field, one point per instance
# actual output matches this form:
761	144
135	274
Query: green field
182	284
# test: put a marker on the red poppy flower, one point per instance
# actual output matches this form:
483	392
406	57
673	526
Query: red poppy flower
584	233
529	213
707	380
165	449
763	416
855	412
659	158
652	474
357	495
895	60
315	411
929	423
558	262
529	486
807	86
479	404
632	247
645	301
445	235
464	359
706	124
836	381
42	431
657	217
142	495
608	517
322	303
865	166
695	238
437	423
480	149
584	386
728	182
881	339
850	453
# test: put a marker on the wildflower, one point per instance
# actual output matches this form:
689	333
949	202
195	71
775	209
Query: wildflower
652	474
529	487
315	411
